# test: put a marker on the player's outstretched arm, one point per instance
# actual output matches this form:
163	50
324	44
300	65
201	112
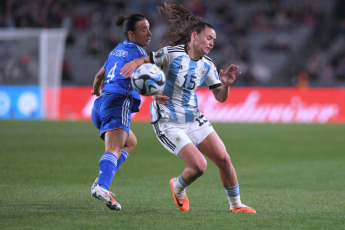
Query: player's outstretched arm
128	69
227	77
97	82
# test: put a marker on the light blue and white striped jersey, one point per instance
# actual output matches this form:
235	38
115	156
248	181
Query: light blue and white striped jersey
114	82
183	77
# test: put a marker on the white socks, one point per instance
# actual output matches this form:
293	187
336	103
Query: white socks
179	187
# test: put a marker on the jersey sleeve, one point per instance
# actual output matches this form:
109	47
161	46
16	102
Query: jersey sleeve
212	79
160	57
105	63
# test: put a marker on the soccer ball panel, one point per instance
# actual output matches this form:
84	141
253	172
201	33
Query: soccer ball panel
148	79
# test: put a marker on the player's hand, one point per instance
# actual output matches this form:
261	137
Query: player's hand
96	92
128	69
228	76
160	98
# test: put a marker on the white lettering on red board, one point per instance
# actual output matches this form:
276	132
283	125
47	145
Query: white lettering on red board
251	110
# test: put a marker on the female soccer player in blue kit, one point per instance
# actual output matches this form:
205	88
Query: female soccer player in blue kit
179	125
112	110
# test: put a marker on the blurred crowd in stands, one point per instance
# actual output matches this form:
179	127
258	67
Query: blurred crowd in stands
321	61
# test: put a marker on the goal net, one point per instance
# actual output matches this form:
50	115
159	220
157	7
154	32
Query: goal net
29	59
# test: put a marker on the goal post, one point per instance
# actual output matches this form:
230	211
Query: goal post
52	48
31	57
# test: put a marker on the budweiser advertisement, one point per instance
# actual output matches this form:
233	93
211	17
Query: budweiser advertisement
254	105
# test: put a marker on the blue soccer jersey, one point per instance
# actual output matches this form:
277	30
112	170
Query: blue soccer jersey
184	76
114	82
114	110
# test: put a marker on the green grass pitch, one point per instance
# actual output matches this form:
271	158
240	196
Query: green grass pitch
292	174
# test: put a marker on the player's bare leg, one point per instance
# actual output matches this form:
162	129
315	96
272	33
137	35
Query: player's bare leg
214	148
131	142
115	141
130	145
195	161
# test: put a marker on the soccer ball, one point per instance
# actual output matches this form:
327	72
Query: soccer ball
148	79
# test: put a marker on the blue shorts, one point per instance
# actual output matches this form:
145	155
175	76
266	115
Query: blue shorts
113	112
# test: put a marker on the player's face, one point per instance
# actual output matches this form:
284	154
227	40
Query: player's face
204	41
142	33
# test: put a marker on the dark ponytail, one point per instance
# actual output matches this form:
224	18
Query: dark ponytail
129	23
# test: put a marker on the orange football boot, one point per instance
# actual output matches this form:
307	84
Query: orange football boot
243	209
183	205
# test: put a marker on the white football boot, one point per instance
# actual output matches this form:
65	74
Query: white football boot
104	195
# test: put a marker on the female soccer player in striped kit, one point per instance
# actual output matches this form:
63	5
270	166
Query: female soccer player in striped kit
112	110
179	125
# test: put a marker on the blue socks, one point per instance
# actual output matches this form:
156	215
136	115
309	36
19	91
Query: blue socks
108	165
107	168
122	158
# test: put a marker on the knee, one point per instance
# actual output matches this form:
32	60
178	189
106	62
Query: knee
224	161
200	168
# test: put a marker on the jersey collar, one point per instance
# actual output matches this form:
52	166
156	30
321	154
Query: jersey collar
129	42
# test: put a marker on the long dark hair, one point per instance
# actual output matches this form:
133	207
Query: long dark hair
183	23
129	22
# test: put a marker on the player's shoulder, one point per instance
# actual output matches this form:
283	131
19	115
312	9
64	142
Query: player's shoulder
170	51
207	59
176	49
133	47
